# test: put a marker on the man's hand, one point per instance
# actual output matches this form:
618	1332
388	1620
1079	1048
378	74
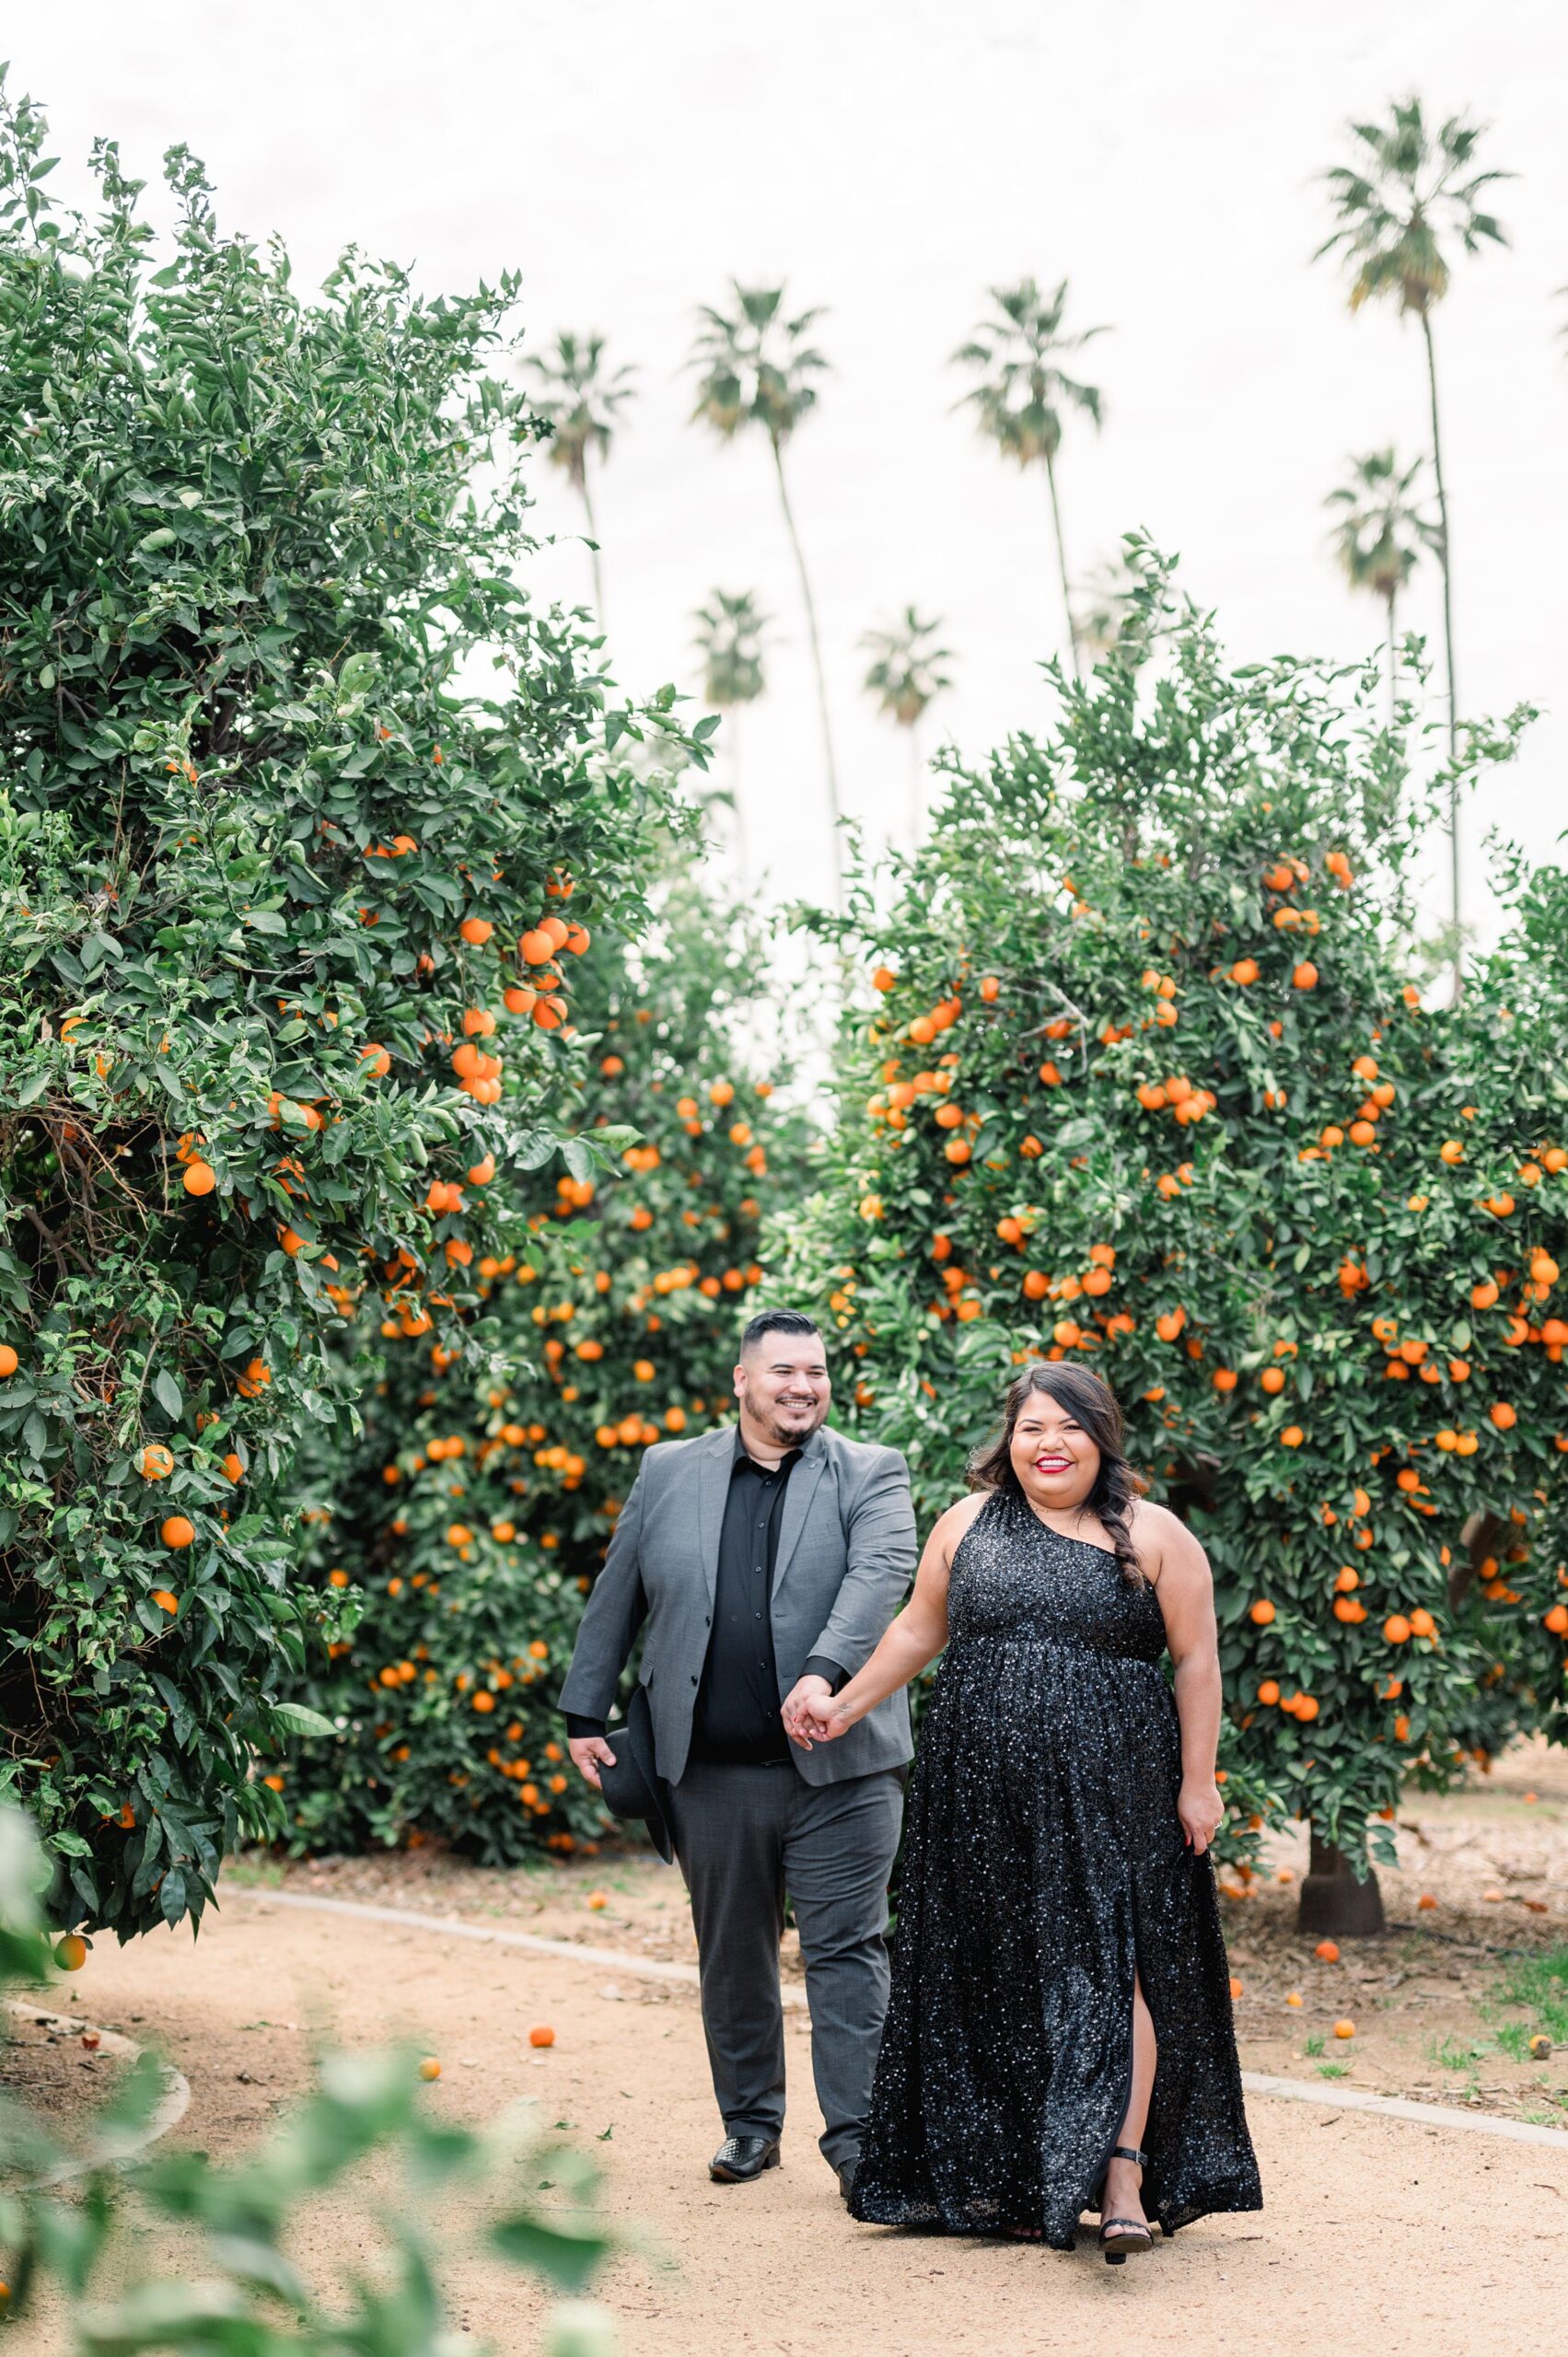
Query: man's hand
800	1722
588	1751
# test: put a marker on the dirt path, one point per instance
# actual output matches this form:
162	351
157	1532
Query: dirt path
1379	2236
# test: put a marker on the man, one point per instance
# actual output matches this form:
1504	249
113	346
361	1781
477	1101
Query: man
759	1563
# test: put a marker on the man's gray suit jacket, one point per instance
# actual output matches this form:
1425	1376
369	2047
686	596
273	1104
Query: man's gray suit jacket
845	1556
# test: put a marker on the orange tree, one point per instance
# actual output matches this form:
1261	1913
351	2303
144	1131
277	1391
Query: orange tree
1149	1086
260	847
454	1563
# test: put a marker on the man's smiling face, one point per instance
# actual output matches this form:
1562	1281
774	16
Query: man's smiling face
784	1389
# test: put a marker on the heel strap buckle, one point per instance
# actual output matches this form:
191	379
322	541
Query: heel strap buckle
1130	2153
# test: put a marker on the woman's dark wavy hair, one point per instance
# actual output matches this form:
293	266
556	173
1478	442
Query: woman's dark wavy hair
1090	1400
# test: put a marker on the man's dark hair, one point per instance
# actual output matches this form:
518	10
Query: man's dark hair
776	1322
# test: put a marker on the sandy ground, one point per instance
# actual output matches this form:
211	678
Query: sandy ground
1379	2236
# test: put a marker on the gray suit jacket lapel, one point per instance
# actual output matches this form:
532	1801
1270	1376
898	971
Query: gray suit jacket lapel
713	1489
797	1500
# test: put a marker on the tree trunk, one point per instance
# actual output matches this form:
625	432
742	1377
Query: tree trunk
593	550
738	809
1332	1901
830	765
1445	554
917	779
1061	567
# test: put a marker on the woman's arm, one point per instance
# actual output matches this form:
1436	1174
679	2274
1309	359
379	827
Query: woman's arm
1185	1588
916	1637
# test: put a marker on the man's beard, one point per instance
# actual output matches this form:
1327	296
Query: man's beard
780	1434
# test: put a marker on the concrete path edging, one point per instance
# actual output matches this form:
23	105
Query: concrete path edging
113	2150
1256	2083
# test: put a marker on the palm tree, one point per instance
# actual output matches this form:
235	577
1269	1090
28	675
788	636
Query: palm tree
1024	392
1411	193
582	400
904	676
1379	534
729	639
756	368
1106	603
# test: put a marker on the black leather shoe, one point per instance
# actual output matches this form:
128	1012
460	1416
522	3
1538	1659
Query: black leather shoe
740	2158
846	2180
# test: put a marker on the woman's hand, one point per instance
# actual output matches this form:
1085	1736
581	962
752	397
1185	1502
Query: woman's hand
1202	1812
814	1716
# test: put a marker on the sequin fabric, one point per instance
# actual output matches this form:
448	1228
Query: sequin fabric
1043	1861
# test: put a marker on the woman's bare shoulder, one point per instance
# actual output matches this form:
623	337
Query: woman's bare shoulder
1159	1537
951	1526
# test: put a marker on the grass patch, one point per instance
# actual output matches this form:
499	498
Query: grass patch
1539	1986
1454	2053
1315	2045
1333	2070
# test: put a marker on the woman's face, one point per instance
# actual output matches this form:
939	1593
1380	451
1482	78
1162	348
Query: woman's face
1054	1459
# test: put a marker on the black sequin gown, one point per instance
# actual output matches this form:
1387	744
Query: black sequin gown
1044	1860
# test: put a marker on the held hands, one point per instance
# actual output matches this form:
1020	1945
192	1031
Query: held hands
1202	1812
811	1714
588	1751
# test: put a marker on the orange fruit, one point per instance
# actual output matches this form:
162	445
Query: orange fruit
176	1531
1344	2030
1396	1628
1328	1951
200	1179
476	931
541	2035
1238	1988
1261	1613
165	1599
1269	1692
71	1953
156	1463
8	1362
1504	1416
430	2068
1304	976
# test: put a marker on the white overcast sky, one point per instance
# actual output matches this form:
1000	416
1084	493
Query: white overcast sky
893	161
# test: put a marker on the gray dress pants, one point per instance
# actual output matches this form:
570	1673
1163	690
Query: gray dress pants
744	1836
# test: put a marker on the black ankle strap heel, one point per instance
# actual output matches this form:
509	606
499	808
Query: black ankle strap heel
1119	2237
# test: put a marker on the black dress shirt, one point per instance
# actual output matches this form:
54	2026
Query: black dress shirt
735	1719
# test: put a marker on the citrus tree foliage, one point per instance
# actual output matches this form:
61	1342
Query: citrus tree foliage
264	833
455	1564
1150	1087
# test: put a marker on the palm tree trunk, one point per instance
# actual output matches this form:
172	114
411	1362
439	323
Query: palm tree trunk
830	765
1444	556
593	550
732	718
1389	596
1061	566
917	800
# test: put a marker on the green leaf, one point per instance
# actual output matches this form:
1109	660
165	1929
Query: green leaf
294	1718
170	1397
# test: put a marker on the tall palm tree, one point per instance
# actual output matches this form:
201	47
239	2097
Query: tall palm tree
906	674
1410	193
1379	533
729	639
756	368
1023	393
1106	603
582	399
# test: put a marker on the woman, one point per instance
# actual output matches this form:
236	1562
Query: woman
1058	2036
